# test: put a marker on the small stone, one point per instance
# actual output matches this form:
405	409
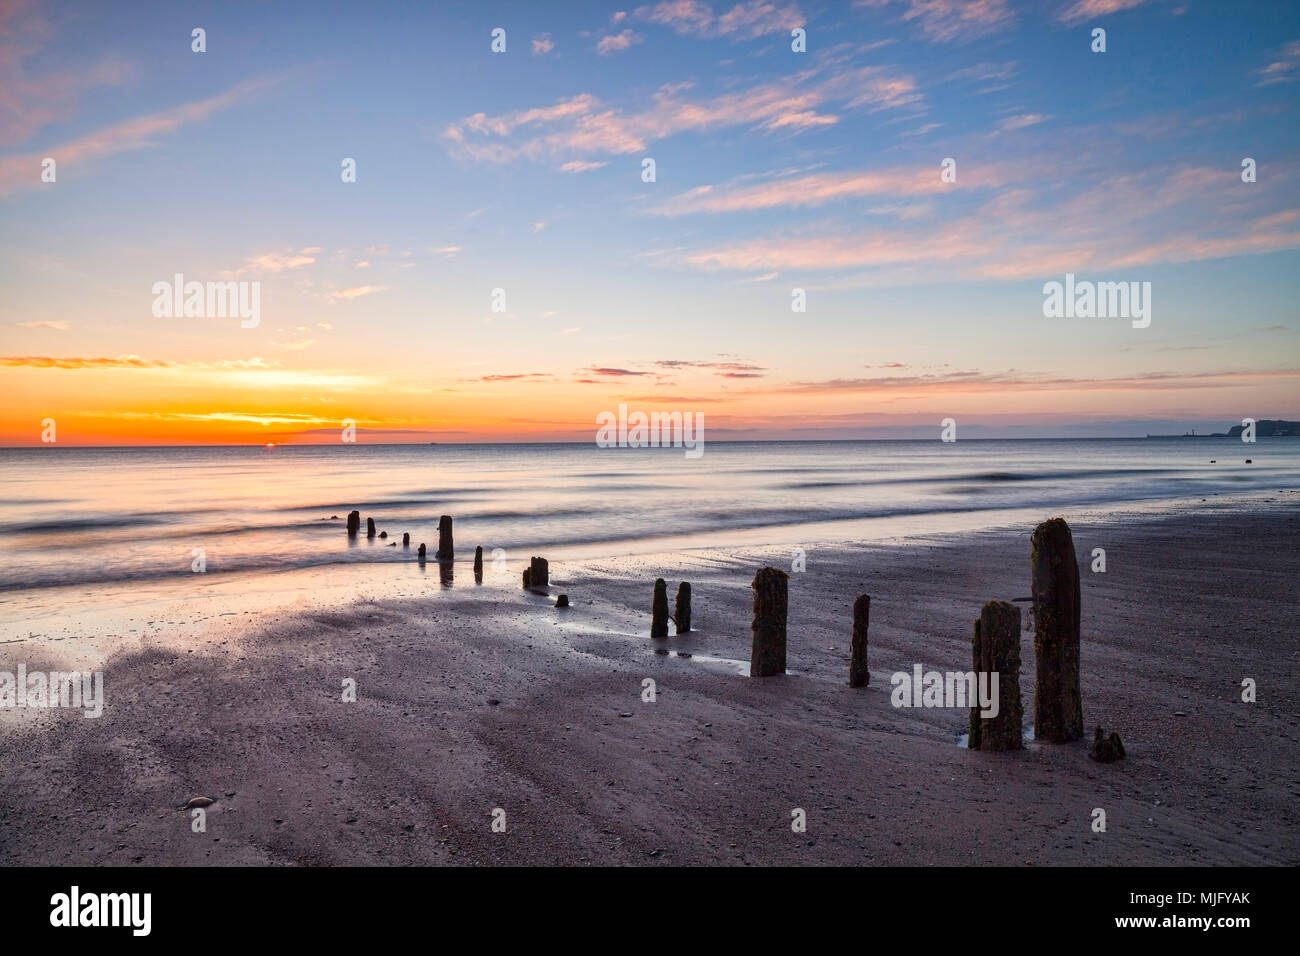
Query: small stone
199	802
562	601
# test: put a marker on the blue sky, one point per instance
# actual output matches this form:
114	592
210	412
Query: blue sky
522	171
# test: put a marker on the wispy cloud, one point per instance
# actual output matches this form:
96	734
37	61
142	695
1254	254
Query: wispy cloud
1284	69
1022	120
577	166
818	189
356	292
30	102
1088	9
140	133
587	126
946	21
58	326
125	361
617	42
269	263
744	21
543	44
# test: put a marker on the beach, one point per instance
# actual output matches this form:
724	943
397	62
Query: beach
478	698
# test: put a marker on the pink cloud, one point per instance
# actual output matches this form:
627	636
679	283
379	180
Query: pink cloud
744	21
1087	9
949	20
584	125
617	42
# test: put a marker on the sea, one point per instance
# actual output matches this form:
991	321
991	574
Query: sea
91	516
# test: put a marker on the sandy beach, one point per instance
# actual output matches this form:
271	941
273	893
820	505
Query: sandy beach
473	698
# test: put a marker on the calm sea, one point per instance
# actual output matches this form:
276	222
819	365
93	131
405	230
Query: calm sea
70	515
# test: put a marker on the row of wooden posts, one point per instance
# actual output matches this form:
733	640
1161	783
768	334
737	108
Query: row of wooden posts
446	542
995	644
537	576
995	641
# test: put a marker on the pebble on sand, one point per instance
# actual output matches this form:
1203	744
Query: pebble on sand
199	802
562	601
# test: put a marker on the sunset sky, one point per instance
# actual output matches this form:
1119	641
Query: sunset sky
522	171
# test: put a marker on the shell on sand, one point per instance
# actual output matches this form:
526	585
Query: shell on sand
199	802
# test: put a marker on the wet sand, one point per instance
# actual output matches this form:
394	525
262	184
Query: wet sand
476	698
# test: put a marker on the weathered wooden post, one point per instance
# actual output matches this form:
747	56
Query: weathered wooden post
771	602
354	523
370	527
659	610
995	649
1054	573
406	539
446	549
682	608
526	572
859	675
539	575
478	564
420	553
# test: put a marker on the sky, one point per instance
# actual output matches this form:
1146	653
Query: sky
523	171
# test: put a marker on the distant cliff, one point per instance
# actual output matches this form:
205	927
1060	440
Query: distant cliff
1269	429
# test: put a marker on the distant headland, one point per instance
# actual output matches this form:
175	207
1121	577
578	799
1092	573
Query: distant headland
1267	428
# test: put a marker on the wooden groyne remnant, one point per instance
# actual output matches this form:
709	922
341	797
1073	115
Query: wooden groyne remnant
682	608
537	576
859	675
771	604
446	548
1054	572
659	610
354	523
995	649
